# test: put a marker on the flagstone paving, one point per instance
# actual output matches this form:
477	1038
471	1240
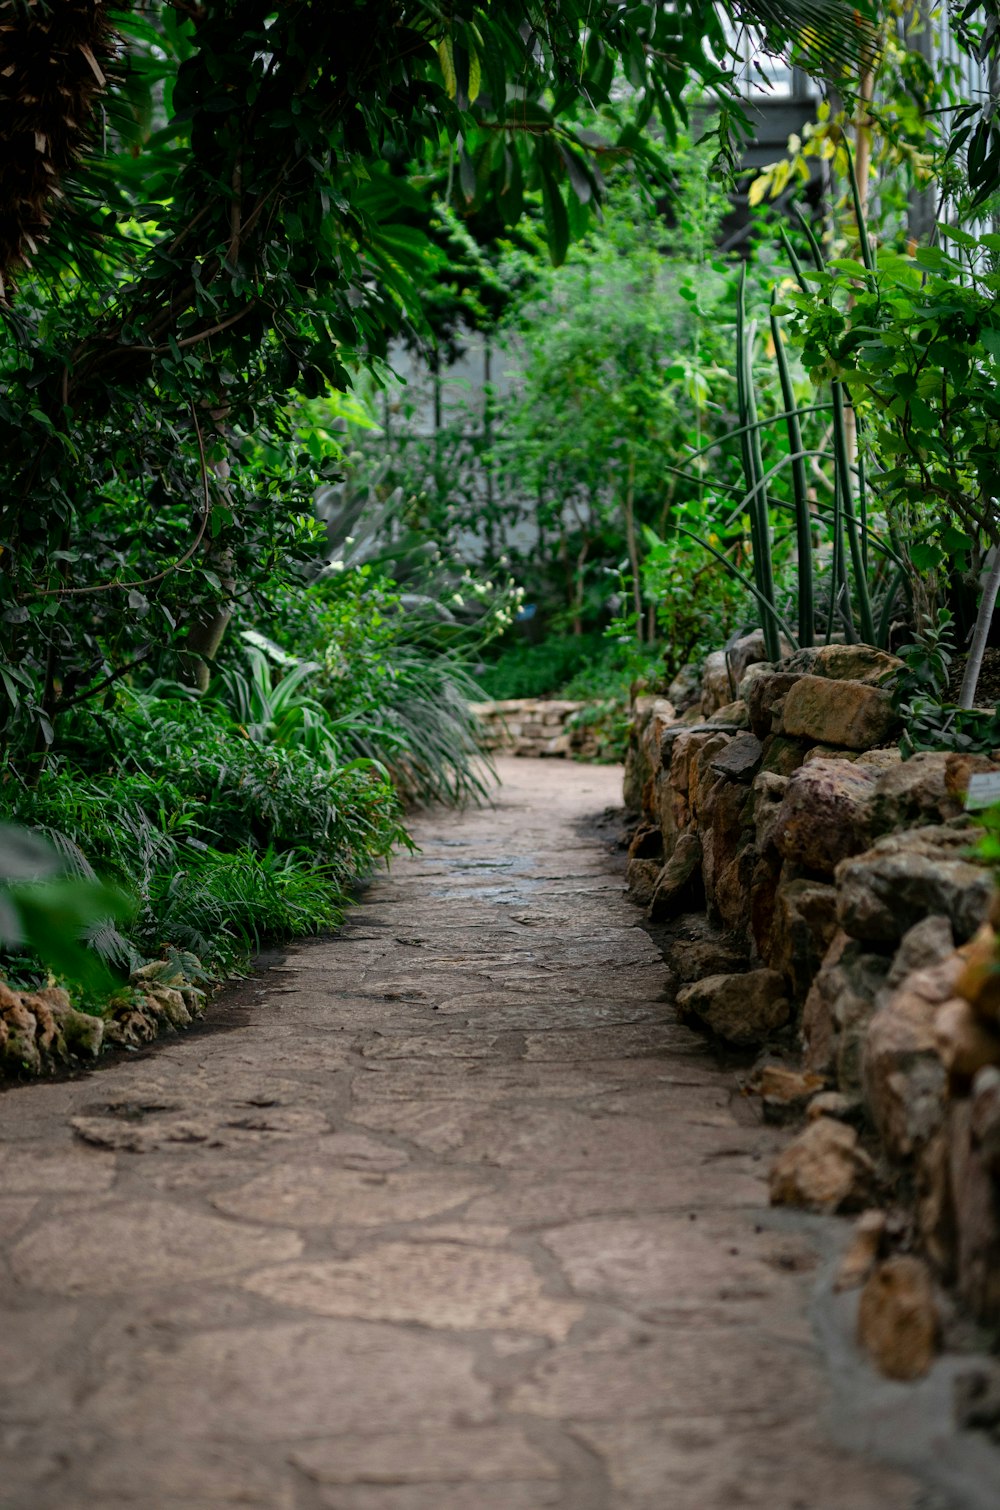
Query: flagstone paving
443	1213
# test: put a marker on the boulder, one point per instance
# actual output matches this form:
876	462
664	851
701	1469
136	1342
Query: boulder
850	714
827	814
905	877
802	927
903	1076
823	1169
741	1009
839	1005
898	1320
677	886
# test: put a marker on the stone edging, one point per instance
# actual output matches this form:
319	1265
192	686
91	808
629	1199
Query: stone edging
849	919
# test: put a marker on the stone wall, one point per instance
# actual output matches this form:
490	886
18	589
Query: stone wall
848	924
535	726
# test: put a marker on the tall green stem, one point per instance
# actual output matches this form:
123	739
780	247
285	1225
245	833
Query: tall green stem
800	489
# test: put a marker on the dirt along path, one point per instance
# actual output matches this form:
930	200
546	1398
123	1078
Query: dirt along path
452	1216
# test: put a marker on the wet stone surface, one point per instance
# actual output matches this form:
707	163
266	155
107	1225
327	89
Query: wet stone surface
452	1215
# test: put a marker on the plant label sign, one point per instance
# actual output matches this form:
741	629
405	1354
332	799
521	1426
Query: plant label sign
984	790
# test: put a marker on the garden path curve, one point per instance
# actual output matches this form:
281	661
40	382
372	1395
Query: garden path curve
442	1213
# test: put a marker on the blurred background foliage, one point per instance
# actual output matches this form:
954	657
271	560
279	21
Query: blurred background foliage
247	592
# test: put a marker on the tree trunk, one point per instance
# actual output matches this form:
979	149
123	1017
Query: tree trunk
980	634
633	548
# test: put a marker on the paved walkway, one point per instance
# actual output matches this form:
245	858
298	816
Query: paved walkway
449	1215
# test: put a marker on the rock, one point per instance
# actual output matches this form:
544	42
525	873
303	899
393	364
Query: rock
734	888
827	814
784	1092
911	792
766	694
863	1251
975	1196
83	1034
985	1120
977	1401
958	769
823	1169
734	713
21	1054
802	928
965	1044
167	1002
903	1076
740	760
927	943
855	663
646	843
783	755
829	752
763	886
741	1009
935	1217
677	885
641	877
905	877
838	1008
693	959
722	809
685	689
749	651
718	685
657	719
898	1318
753	674
838	713
835	1104
768	796
979	982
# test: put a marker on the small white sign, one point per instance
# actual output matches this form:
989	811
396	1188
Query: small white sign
984	790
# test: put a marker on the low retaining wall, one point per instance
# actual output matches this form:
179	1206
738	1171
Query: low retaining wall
849	919
535	726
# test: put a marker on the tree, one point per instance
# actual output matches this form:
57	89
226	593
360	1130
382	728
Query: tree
238	236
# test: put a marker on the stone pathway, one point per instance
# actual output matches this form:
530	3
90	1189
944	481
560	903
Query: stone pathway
451	1216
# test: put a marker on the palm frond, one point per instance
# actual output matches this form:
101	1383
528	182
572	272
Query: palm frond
829	38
